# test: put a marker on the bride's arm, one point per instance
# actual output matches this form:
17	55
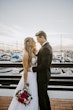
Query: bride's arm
25	66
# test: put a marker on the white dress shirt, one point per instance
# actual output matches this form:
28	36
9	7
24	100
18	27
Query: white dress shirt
44	43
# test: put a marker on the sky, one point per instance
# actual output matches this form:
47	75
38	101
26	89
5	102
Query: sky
23	18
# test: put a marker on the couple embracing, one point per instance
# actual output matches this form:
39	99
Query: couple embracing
36	73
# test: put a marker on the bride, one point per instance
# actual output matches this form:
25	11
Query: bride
28	76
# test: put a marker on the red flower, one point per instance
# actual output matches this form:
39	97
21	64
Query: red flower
21	100
24	95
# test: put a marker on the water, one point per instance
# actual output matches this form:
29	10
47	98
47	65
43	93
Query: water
52	94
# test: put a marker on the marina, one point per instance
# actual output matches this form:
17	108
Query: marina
61	96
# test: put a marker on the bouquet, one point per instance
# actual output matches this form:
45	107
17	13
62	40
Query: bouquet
24	96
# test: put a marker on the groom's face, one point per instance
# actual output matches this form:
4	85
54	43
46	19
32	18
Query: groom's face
38	39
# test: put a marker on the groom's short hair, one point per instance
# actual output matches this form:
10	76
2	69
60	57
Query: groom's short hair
41	33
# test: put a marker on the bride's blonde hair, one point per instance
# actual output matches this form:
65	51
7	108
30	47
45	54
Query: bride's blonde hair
29	43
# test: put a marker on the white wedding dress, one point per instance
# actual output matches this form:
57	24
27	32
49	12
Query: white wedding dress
15	105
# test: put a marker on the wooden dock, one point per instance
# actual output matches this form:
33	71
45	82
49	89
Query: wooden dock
56	104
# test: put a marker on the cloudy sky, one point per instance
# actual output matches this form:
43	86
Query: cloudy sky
22	18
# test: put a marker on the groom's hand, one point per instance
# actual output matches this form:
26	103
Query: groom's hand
34	69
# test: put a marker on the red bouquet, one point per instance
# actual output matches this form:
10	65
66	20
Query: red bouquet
24	96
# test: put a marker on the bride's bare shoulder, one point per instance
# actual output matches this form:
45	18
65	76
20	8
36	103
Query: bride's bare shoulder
25	55
25	59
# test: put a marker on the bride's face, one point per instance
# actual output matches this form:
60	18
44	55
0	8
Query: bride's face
34	47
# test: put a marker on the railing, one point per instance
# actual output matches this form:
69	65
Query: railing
56	82
54	65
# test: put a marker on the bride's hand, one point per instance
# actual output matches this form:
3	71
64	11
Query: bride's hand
34	51
25	86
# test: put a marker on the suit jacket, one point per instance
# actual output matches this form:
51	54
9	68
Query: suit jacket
44	59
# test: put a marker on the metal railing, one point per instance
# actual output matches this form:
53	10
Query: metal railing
63	83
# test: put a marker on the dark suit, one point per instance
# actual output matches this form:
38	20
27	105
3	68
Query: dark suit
44	59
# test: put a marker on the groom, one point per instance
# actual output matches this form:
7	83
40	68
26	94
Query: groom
44	59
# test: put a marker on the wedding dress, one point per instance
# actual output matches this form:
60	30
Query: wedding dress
15	105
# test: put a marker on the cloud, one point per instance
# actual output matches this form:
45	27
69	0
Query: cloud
12	34
13	31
